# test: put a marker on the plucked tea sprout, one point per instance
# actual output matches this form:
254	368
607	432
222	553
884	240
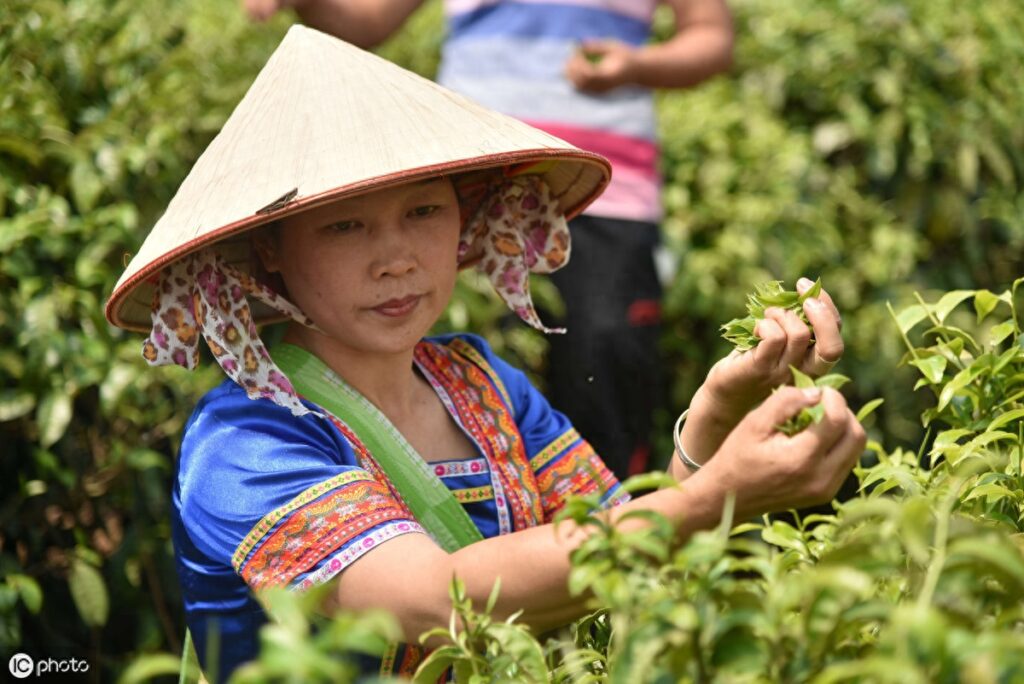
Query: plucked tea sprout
740	331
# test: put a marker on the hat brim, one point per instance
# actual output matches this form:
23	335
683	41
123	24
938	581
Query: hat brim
574	177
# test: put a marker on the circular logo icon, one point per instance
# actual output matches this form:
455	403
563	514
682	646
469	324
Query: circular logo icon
21	665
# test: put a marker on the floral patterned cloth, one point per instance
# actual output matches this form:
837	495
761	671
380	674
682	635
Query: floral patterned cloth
516	230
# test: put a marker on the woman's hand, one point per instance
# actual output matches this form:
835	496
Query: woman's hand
768	471
740	381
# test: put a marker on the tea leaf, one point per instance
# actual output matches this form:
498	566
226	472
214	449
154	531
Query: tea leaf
950	301
1005	419
868	408
910	316
933	368
89	593
984	302
1000	332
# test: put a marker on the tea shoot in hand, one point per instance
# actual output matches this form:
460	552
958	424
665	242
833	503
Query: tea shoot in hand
813	414
740	331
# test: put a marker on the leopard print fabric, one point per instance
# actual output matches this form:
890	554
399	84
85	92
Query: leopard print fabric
202	296
517	230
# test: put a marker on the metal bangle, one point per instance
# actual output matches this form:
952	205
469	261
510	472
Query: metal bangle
687	461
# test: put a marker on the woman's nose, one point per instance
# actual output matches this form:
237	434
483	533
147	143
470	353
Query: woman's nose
393	252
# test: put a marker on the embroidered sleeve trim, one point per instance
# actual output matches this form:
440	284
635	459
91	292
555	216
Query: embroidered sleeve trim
350	554
469	351
578	471
318	529
264	526
560	444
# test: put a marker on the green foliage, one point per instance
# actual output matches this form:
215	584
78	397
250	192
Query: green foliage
478	649
301	645
104	104
740	331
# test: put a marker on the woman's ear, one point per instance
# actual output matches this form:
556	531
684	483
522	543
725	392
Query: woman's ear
265	242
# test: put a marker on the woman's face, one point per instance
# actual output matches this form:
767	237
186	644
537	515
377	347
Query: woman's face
374	271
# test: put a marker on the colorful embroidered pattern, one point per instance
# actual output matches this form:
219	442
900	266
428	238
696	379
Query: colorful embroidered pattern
476	466
554	449
489	420
316	529
474	494
264	526
467	350
578	471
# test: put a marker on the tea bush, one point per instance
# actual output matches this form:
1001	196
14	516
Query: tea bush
918	578
876	143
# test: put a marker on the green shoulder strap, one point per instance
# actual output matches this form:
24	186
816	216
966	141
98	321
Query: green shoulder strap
431	502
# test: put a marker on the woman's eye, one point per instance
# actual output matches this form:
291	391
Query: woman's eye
425	210
342	226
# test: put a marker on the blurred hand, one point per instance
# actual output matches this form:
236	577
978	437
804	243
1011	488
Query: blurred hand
741	380
769	471
600	65
262	10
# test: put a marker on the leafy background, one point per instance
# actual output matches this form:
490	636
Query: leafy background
877	144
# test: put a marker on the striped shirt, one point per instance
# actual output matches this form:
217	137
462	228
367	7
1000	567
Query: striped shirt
510	55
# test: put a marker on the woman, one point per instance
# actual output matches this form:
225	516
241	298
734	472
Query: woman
400	461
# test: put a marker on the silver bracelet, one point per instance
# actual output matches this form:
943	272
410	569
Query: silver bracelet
687	461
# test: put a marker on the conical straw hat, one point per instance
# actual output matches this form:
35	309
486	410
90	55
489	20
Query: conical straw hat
326	120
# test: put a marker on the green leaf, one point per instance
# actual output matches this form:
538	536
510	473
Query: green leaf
868	408
932	367
910	316
833	380
999	555
53	416
992	492
435	664
493	598
784	535
1000	332
959	381
1005	419
85	185
14	404
89	593
950	301
29	591
984	302
800	379
150	666
649	481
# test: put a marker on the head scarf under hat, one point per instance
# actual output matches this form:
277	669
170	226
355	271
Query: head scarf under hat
516	230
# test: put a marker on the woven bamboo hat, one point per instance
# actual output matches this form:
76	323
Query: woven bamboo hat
325	120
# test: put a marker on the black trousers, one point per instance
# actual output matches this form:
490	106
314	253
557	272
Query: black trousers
604	373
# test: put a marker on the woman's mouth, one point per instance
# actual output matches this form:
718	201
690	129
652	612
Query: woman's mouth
396	308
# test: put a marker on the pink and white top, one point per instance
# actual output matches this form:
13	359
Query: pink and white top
510	55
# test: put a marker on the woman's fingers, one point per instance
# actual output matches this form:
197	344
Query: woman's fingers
828	346
790	343
783	405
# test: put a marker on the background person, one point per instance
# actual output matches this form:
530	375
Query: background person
583	71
